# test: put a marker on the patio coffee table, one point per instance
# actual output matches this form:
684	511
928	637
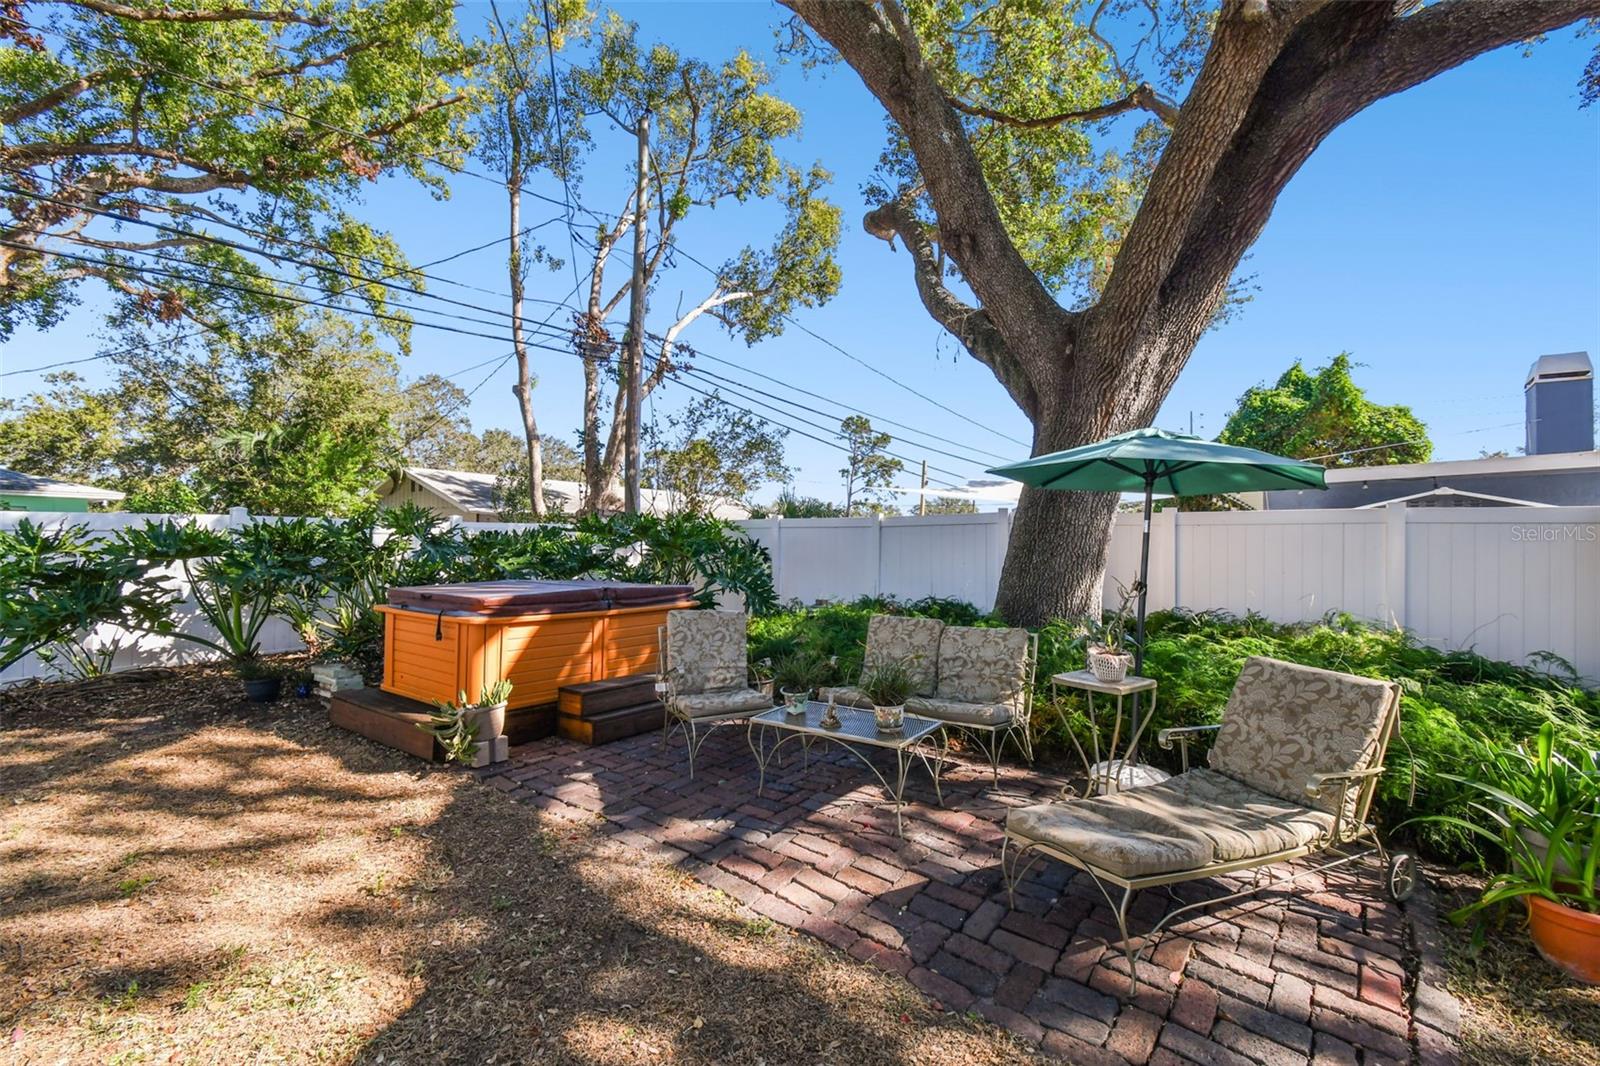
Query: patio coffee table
857	729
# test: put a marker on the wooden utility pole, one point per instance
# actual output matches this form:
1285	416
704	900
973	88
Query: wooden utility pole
922	497
636	304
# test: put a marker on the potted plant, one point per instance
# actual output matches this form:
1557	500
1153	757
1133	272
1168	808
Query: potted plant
461	726
262	682
1107	642
1542	808
888	685
797	674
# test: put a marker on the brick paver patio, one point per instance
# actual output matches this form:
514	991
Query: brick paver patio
1333	972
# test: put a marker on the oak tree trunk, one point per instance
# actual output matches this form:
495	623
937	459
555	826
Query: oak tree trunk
524	386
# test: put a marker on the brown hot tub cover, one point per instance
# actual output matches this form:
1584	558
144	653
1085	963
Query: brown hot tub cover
501	598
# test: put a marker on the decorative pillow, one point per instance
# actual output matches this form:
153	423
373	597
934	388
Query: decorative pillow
913	641
706	650
981	665
1286	722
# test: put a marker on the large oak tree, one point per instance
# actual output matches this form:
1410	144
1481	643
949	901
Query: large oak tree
992	177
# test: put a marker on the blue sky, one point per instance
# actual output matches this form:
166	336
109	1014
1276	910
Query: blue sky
1446	237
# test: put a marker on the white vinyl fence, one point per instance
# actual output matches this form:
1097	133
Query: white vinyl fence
1507	581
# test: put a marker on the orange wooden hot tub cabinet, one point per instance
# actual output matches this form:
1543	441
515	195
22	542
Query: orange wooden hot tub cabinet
540	635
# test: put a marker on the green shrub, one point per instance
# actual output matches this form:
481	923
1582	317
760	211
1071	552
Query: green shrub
1454	705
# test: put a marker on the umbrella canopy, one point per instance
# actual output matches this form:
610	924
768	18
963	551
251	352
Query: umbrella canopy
1153	460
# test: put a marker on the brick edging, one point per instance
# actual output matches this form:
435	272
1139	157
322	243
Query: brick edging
1435	1012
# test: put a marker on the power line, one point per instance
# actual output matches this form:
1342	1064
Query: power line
857	359
202	237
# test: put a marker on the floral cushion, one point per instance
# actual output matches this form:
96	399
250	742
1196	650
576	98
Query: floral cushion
914	641
845	695
714	704
1240	822
706	650
1127	843
981	665
1185	823
1286	722
992	714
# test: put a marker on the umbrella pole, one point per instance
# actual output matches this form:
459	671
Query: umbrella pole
1144	589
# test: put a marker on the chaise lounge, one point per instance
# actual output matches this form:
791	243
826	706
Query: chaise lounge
1292	773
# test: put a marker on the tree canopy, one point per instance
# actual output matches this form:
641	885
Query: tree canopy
261	125
868	467
1325	416
711	452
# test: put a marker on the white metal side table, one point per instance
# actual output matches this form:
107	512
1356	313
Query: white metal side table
1116	767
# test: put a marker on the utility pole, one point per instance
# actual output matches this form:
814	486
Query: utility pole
635	371
922	497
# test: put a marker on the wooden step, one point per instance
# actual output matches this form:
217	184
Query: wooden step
611	725
612	694
389	719
524	724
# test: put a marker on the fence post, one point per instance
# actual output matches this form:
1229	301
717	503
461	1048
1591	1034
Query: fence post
877	554
1164	535
238	516
1394	561
776	551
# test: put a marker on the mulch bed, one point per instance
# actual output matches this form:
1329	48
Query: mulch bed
185	877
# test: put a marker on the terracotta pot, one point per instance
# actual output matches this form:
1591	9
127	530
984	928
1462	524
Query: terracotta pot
1569	939
491	720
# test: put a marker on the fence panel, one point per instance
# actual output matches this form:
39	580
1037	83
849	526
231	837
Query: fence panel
1507	581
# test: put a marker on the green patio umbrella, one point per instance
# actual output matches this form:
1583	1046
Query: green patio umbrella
1152	461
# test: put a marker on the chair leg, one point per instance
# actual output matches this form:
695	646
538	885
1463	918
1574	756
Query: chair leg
1128	950
1006	871
693	745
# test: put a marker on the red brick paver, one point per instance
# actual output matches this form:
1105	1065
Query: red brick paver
1326	974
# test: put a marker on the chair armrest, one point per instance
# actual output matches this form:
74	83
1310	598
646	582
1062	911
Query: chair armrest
1183	734
1318	782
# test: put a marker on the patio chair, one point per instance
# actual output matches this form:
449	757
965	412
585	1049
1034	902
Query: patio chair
984	687
704	662
896	638
1292	773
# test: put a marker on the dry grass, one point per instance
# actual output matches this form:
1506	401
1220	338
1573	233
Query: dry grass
1515	1007
186	879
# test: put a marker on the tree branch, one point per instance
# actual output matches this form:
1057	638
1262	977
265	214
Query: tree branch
969	325
1337	64
167	14
26	109
884	51
1142	97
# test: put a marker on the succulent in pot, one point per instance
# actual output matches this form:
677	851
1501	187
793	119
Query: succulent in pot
1540	803
462	725
888	685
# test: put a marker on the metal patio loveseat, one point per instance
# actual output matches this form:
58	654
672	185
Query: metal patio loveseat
1291	774
975	679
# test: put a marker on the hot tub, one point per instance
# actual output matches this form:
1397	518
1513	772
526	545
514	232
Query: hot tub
540	635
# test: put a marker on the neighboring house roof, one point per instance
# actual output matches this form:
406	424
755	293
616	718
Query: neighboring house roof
470	491
474	493
1505	464
16	483
1444	496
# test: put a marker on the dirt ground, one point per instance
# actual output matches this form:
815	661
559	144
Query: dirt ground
1515	1007
187	878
